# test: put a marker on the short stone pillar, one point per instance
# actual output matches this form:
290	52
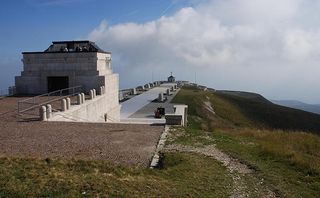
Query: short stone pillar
94	93
134	91
43	113
68	103
171	88
63	105
101	90
147	86
49	111
91	94
160	97
168	92
83	98
120	96
79	99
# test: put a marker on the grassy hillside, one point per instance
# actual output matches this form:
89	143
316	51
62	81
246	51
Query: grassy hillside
274	140
248	110
243	125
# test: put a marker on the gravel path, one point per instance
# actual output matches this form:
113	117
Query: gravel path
235	167
126	144
118	143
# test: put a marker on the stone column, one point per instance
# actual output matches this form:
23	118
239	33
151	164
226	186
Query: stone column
91	94
43	113
83	98
101	90
49	111
134	91
68	103
168	92
94	93
63	105
160	97
79	100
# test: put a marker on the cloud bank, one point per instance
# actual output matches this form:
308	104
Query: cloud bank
267	46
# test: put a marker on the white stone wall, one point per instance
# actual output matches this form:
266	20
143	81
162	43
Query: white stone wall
95	110
82	68
89	69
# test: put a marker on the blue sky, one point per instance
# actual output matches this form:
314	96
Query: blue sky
270	47
31	25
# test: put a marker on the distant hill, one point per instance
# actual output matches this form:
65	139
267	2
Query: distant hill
298	105
245	109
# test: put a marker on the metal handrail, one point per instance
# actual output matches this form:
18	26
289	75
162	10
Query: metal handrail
36	101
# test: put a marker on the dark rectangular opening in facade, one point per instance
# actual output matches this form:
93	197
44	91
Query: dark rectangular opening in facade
57	82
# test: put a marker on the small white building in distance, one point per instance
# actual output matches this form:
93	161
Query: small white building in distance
171	78
67	64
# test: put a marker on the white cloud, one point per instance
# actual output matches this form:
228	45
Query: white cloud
255	45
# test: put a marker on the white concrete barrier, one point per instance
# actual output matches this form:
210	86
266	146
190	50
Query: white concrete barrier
43	113
160	97
91	94
134	91
68	103
63	105
83	98
79	100
49	111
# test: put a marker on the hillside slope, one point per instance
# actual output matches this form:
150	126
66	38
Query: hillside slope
270	139
245	109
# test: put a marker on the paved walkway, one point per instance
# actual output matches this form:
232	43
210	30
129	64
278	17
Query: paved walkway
141	108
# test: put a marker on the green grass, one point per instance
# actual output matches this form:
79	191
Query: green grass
245	110
246	126
289	167
183	175
289	161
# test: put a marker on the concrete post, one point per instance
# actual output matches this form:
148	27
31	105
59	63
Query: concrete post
168	92
101	90
94	93
63	105
171	88
134	91
43	113
91	94
49	111
68	103
83	98
79	99
160	97
120	95
148	86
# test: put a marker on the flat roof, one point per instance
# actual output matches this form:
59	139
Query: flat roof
94	48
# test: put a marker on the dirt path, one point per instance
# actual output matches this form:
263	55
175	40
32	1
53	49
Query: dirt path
235	167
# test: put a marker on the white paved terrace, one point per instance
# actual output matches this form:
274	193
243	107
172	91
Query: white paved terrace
132	105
